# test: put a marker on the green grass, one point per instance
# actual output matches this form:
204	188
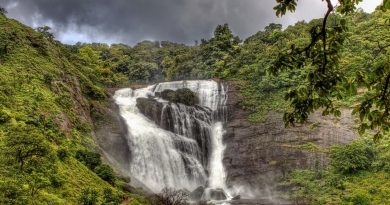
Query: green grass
44	86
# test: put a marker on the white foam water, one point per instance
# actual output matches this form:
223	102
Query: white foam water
161	158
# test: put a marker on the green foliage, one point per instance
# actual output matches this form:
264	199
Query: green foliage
357	175
62	154
110	197
325	81
4	116
45	31
351	158
3	11
46	90
359	198
106	173
88	158
89	197
320	61
219	52
11	192
93	162
26	146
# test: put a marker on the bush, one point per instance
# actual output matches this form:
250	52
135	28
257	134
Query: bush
359	198
4	116
110	197
56	181
89	197
106	173
62	154
89	159
11	193
351	158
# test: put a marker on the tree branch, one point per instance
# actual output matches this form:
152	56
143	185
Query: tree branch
323	31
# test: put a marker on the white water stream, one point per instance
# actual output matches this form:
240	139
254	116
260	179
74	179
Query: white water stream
161	158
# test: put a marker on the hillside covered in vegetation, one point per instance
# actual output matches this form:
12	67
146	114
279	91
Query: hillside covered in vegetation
52	94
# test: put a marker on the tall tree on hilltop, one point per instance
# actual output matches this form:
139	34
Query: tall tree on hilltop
218	53
3	11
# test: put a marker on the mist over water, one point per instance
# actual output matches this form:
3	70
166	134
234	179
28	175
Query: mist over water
186	157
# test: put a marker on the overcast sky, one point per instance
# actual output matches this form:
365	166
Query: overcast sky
131	21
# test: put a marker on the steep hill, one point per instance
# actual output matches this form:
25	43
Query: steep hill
48	100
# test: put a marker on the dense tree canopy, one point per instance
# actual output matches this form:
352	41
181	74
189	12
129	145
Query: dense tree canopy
325	80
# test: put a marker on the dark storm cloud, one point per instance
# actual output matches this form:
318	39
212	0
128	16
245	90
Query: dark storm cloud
130	21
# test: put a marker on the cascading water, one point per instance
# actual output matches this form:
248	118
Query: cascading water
174	145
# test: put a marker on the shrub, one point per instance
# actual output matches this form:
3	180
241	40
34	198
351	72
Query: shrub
62	154
11	193
3	12
4	116
351	158
89	159
110	197
359	198
89	197
56	181
106	173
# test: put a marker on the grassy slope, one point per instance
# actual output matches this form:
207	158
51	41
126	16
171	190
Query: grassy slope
41	87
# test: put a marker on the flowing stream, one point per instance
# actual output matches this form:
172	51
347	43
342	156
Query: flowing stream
175	145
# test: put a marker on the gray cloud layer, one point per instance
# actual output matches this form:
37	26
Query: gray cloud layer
131	21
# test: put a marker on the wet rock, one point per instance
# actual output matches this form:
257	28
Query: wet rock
190	121
183	95
258	155
150	108
214	194
196	195
111	137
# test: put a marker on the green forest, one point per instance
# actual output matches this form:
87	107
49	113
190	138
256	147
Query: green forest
52	94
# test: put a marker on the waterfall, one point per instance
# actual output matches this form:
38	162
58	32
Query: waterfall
174	145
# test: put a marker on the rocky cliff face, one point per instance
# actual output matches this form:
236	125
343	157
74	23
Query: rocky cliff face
110	136
258	155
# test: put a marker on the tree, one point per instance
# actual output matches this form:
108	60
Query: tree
110	197
3	12
324	81
106	173
37	181
45	31
89	197
26	145
273	26
89	159
218	53
351	158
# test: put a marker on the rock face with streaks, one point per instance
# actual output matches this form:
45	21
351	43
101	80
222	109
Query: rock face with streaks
258	155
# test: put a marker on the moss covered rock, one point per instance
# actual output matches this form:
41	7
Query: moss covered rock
184	96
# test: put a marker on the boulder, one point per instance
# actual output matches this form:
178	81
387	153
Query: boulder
214	194
196	195
184	96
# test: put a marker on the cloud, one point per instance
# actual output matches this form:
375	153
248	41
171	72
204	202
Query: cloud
131	21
